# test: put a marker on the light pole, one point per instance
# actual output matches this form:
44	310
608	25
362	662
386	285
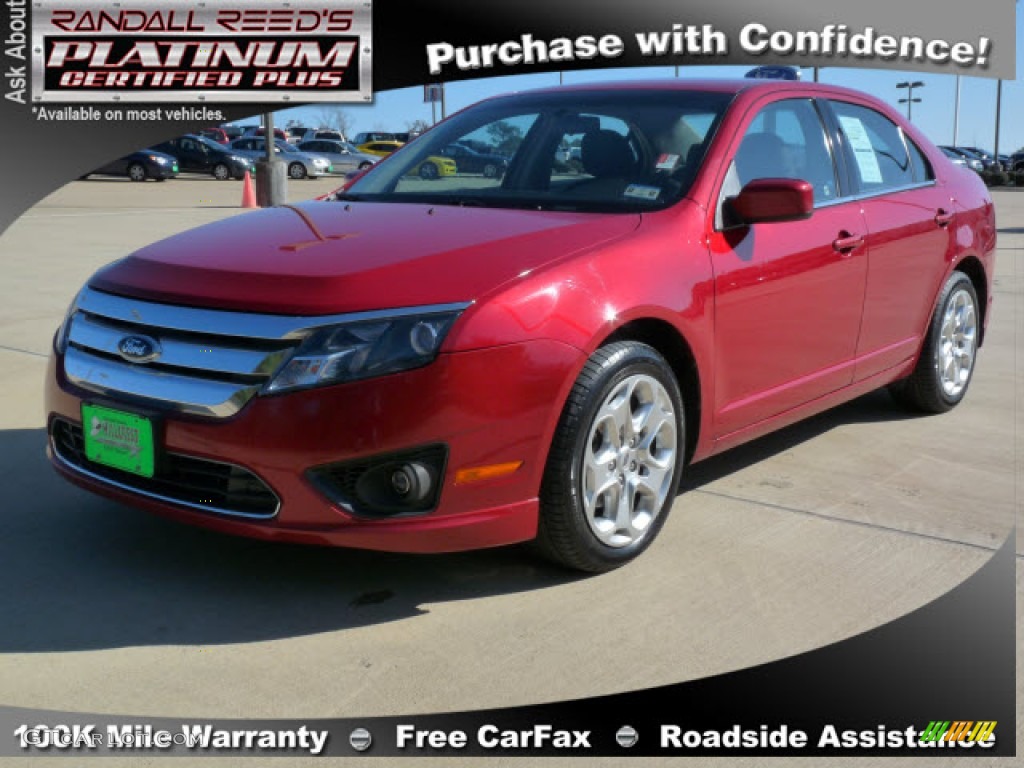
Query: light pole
999	109
910	100
956	114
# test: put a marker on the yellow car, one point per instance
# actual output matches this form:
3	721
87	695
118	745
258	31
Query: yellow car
380	148
431	168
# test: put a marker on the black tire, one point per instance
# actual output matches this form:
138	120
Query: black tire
137	172
923	389
429	171
490	171
364	165
565	535
221	172
296	171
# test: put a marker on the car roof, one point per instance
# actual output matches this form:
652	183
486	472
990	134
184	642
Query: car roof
749	87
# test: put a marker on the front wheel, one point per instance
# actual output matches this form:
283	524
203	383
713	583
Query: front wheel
429	171
364	165
944	370
221	172
297	171
137	172
615	461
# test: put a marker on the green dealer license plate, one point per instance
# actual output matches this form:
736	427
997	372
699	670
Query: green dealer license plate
117	439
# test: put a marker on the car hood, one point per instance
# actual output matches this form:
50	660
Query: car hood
329	257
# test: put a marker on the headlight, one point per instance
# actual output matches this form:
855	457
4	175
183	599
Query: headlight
360	350
158	159
60	341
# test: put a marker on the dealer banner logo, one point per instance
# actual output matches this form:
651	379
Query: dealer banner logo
216	51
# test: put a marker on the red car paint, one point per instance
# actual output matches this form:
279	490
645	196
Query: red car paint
782	320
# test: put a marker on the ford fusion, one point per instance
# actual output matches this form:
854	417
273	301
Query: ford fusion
662	271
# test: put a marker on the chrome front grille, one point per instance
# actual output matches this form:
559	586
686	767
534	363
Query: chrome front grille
211	362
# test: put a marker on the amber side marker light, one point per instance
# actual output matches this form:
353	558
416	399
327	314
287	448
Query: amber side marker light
486	472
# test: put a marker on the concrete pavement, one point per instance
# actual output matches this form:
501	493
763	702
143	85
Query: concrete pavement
803	538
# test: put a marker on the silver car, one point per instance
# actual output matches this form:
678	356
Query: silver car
344	157
301	165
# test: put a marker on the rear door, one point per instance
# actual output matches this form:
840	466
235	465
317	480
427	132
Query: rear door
910	234
788	295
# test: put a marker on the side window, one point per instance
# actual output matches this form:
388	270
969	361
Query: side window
786	140
922	168
880	159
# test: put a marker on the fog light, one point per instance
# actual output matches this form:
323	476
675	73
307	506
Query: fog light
402	483
411	482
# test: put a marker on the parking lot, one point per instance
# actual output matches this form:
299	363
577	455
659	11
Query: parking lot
800	539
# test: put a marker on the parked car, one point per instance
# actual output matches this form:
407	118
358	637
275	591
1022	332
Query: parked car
989	158
431	167
343	157
986	161
141	165
197	154
470	160
297	133
972	162
301	165
476	362
258	130
233	131
955	157
324	134
379	148
218	135
1017	161
367	136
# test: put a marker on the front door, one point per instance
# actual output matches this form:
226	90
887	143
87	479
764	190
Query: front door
788	295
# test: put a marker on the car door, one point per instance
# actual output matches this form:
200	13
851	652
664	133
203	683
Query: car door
336	153
788	295
910	234
191	156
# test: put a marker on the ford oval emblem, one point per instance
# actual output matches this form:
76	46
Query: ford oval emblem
138	349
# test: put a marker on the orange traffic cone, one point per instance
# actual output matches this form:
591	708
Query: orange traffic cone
248	193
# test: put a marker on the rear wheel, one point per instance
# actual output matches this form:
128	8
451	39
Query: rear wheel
944	370
615	462
364	165
137	172
490	171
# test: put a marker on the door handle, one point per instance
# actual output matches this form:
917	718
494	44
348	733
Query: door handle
943	217
847	242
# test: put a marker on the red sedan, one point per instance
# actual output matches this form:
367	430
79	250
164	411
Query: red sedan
470	361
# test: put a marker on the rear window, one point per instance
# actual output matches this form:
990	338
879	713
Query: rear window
876	146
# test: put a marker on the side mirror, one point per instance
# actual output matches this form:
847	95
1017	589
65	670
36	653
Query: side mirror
768	200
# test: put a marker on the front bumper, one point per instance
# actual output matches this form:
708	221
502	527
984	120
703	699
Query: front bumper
466	400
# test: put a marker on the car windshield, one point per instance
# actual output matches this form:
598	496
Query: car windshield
600	150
